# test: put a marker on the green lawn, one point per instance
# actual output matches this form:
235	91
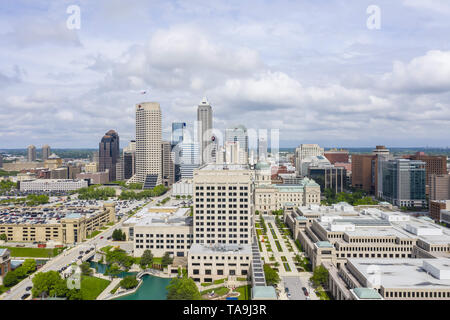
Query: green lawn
219	291
219	281
93	234
322	294
278	246
33	252
244	291
91	287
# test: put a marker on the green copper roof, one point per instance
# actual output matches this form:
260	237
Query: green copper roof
262	165
367	293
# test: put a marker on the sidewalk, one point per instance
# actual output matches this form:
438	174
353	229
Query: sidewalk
107	292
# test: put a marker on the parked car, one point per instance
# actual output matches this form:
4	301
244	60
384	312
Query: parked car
28	288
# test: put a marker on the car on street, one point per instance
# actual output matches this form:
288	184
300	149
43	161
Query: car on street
26	295
28	288
101	237
287	292
79	257
305	291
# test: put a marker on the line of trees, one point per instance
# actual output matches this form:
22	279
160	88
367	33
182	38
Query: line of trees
95	193
15	276
356	198
131	195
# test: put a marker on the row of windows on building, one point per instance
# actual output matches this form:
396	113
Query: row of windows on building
221	235
151	246
162	241
229	241
162	235
221	188
221	200
221	206
221	194
200	212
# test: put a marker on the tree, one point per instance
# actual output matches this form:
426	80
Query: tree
29	265
320	276
129	282
166	260
47	283
272	277
182	289
114	270
118	235
10	279
3	237
146	259
86	269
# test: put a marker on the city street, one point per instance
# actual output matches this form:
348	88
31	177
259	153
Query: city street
294	284
70	256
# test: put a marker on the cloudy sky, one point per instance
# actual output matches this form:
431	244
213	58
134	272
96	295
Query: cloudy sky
312	69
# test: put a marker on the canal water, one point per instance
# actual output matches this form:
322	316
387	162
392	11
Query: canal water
152	288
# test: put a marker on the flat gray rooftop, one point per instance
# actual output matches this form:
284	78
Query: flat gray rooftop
402	273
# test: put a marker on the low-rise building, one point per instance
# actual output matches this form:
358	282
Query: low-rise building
52	185
183	187
160	230
269	198
5	263
71	227
335	234
393	279
94	177
214	262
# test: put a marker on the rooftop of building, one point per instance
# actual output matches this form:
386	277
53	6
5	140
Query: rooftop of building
221	249
221	167
404	273
366	294
160	216
264	292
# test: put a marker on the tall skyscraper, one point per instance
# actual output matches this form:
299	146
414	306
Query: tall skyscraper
262	149
129	160
148	144
177	133
45	152
1	161
168	166
204	118
189	159
109	153
31	156
239	135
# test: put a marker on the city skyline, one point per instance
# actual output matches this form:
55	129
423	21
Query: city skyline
333	79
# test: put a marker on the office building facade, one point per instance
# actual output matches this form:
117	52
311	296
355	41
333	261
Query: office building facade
109	153
204	131
148	144
31	153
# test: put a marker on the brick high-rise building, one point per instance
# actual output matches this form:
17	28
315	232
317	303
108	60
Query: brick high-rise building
439	187
365	169
335	155
109	153
434	165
